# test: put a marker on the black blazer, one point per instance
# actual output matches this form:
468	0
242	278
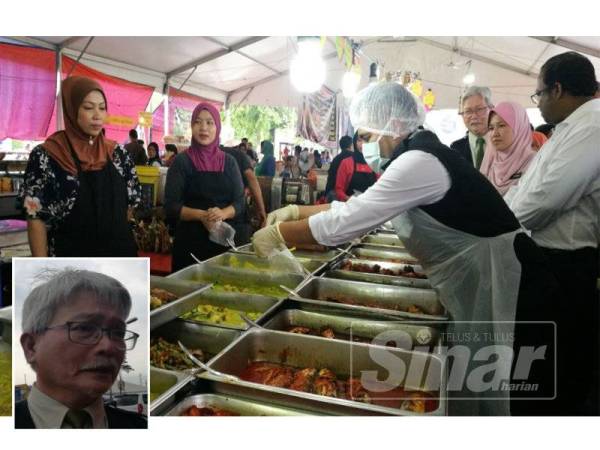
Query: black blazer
117	418
463	148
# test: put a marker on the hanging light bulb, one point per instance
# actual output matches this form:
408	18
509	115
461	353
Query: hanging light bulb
307	70
469	77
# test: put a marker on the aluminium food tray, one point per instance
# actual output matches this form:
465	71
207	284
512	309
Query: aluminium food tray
422	371
188	299
372	299
336	271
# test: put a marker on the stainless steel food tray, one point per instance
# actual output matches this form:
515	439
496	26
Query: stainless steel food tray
383	240
186	290
198	390
210	339
423	371
237	277
337	272
164	383
238	302
239	406
407	335
392	301
315	256
364	251
253	262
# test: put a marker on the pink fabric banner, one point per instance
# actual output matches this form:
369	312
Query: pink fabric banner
181	106
27	91
158	125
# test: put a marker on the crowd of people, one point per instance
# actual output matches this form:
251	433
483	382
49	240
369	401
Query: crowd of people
507	236
505	221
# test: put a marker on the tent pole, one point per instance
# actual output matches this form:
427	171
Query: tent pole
187	78
166	107
59	111
80	55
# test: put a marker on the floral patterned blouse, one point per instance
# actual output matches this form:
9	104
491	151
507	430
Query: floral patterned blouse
49	192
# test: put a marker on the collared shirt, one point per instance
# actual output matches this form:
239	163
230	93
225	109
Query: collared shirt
49	413
414	178
558	198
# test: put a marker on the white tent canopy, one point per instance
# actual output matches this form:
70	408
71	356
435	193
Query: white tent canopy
254	69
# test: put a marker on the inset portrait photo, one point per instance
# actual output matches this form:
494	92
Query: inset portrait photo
80	342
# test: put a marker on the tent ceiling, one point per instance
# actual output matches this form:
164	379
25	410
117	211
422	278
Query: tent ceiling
230	63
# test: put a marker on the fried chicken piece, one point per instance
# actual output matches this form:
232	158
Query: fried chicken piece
299	330
415	402
355	391
280	377
328	333
258	372
325	383
414	309
303	379
207	411
269	374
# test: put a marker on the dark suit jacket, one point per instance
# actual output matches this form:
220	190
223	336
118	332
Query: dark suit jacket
137	153
117	418
463	148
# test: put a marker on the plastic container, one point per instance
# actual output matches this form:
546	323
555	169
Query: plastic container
149	179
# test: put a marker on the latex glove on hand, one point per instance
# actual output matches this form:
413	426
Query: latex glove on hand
268	240
287	214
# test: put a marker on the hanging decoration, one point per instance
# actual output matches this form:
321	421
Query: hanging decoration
429	100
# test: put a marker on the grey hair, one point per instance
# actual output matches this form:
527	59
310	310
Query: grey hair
61	286
483	91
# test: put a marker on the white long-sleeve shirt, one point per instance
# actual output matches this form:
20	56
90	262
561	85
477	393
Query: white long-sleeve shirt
558	198
414	178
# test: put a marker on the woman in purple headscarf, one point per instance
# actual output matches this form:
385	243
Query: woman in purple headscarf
204	186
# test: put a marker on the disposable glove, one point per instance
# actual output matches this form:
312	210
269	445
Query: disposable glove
287	214
268	240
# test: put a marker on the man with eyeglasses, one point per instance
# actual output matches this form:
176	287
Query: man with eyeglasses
75	339
476	105
558	199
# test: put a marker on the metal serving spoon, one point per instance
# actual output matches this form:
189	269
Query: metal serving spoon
205	367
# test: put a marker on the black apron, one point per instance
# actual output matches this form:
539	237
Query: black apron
97	226
360	181
203	190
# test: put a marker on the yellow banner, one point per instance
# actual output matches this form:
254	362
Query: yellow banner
122	121
145	119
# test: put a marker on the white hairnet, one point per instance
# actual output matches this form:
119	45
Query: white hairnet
387	108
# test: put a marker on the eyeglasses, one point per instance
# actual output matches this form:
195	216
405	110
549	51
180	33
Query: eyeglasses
474	112
87	333
535	98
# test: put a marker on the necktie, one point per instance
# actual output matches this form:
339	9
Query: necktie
78	419
479	151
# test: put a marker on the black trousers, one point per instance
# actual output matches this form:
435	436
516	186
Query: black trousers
574	307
